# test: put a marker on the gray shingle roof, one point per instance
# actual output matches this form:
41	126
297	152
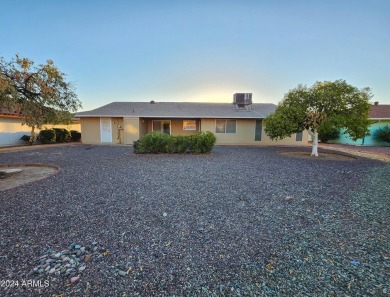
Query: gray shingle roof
178	110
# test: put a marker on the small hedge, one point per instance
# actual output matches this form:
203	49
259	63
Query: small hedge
62	135
56	135
383	133
47	136
75	135
157	142
26	139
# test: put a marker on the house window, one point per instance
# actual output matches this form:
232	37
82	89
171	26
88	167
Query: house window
230	126
298	136
161	126
225	126
156	126
189	125
220	126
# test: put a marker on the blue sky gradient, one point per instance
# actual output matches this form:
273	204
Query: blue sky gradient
202	50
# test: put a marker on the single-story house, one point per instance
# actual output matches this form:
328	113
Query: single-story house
12	128
379	118
237	123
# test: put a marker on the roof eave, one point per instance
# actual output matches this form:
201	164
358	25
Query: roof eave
169	117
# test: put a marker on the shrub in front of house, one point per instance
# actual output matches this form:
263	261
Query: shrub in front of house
156	142
75	135
178	144
383	133
26	139
62	135
202	143
47	136
152	143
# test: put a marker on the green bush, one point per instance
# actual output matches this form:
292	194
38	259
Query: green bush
383	133
157	142
328	133
62	135
178	144
47	136
202	143
26	139
152	143
75	135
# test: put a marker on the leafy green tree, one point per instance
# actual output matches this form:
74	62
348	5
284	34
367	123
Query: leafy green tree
312	108
39	93
327	131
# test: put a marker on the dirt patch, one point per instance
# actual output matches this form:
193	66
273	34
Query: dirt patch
29	173
374	153
321	155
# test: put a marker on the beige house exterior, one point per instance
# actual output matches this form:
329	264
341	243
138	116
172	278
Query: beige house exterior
126	122
12	128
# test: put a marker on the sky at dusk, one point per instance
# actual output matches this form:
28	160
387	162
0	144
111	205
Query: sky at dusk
170	50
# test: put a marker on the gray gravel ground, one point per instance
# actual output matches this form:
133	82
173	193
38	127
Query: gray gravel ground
191	225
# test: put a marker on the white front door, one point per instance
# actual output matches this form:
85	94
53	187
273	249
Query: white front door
105	130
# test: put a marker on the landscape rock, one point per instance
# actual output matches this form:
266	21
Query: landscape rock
227	220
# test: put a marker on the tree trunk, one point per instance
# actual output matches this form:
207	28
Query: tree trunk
314	150
32	136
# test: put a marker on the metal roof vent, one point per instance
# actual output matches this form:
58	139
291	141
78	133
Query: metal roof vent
242	101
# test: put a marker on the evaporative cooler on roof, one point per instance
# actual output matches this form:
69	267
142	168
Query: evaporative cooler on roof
242	101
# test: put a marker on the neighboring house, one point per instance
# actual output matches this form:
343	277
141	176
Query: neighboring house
379	117
238	123
11	128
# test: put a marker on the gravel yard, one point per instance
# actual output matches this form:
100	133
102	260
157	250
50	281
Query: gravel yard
243	221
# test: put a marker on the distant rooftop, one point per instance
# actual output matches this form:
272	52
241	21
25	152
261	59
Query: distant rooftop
8	112
380	111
